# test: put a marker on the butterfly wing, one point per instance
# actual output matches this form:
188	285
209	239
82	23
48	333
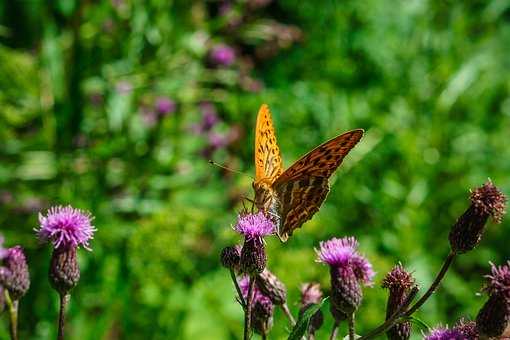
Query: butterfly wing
303	187
268	161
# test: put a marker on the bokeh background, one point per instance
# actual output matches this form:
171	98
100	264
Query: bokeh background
116	106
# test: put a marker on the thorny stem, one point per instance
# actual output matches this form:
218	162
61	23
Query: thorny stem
239	293
64	299
287	312
13	315
402	311
334	331
247	312
351	327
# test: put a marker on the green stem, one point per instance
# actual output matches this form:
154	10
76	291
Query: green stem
334	331
247	312
238	289
287	312
13	315
351	327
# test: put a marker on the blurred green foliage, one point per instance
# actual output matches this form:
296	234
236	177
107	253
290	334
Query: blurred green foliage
80	83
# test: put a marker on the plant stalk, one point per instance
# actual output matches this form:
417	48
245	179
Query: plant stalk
287	312
64	299
239	293
351	327
247	312
13	315
334	331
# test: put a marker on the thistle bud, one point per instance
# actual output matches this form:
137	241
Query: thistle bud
271	287
262	315
64	271
311	294
467	232
493	319
253	254
399	283
346	293
14	275
231	257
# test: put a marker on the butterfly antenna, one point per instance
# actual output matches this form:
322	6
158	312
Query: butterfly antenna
227	168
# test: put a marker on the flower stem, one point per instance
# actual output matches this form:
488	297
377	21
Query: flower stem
247	312
13	315
446	265
351	327
334	331
64	299
287	312
239	293
402	311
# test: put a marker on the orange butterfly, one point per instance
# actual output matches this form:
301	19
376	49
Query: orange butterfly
293	196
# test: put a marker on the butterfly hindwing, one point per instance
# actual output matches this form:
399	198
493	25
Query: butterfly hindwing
299	201
303	187
268	161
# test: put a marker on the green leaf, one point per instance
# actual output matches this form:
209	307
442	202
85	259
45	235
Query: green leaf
304	320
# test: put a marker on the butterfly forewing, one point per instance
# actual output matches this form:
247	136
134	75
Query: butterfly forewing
303	187
268	161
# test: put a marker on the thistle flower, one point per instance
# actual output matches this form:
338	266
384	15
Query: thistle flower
165	106
271	287
263	307
467	232
254	227
468	329
222	55
231	257
399	283
348	270
311	294
14	275
493	319
66	227
443	333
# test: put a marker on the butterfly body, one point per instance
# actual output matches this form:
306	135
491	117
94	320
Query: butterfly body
293	196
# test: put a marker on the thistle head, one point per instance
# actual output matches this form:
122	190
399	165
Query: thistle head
489	200
254	225
444	333
231	257
498	281
66	227
14	275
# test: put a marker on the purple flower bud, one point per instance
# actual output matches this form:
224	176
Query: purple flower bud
253	256
467	232
64	270
66	227
14	275
222	55
231	257
399	282
271	287
165	106
346	294
493	319
311	294
468	329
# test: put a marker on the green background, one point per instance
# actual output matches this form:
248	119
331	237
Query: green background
427	80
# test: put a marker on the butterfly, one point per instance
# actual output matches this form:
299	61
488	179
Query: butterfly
293	196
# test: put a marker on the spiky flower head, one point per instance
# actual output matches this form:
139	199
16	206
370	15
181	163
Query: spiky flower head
467	232
222	55
443	333
66	227
231	257
467	328
399	283
254	225
493	319
14	275
272	287
342	254
311	294
348	270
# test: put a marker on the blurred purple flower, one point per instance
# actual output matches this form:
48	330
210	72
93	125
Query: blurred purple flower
123	87
446	334
222	55
66	227
149	116
209	118
165	106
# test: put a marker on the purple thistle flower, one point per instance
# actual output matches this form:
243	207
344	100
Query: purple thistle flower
222	55
499	280
258	296
165	106
487	199
254	225
443	333
66	227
